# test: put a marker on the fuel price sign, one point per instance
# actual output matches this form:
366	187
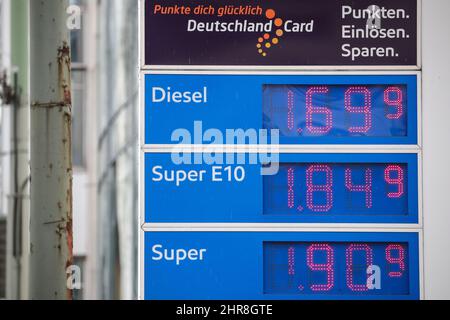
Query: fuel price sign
306	188
282	265
348	108
333	211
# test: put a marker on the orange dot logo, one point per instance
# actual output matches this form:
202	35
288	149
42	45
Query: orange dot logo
267	40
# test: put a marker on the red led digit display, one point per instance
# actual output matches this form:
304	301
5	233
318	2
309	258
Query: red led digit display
336	268
336	110
337	189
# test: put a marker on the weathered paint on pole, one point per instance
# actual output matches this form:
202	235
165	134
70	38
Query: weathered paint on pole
51	156
18	198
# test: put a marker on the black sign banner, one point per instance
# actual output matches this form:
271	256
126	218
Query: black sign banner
281	33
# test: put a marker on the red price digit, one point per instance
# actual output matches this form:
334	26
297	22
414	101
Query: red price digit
327	267
367	187
349	259
393	175
291	192
313	188
366	110
311	110
290	114
393	97
291	261
398	259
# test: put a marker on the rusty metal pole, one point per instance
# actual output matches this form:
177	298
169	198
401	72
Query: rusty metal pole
51	156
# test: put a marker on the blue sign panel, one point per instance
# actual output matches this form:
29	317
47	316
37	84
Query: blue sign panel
306	109
306	188
281	266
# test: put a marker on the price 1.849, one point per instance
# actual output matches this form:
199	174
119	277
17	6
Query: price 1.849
337	189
